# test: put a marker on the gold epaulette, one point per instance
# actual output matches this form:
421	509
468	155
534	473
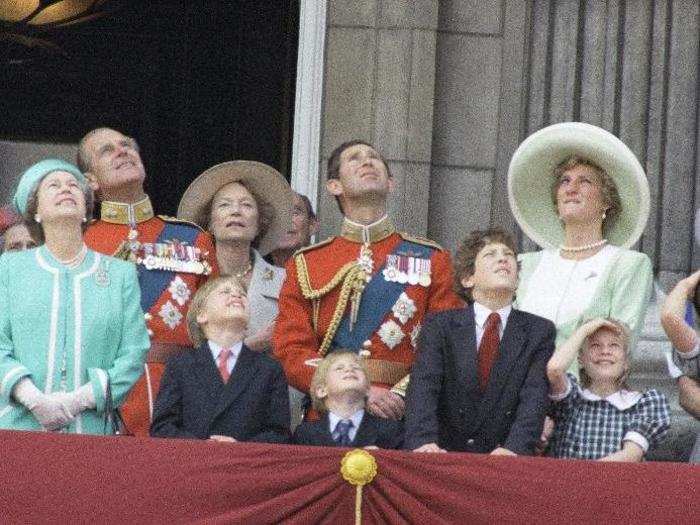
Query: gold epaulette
168	218
313	246
421	240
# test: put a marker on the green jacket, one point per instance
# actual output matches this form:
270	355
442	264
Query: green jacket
623	292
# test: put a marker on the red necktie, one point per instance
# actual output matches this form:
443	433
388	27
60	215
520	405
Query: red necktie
488	348
223	364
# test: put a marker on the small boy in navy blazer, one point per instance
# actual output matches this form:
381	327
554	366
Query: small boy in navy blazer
222	390
339	390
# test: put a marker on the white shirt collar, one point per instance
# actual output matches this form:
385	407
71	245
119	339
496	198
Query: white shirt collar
622	399
356	419
216	349
481	313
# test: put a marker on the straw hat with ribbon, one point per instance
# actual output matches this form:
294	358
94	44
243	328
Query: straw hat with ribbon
530	180
263	181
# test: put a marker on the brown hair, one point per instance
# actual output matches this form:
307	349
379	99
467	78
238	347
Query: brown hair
465	259
266	212
608	189
333	171
310	213
321	374
36	231
199	300
625	337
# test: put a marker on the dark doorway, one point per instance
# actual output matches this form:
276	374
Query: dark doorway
195	82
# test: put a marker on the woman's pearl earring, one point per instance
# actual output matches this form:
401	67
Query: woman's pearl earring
84	219
37	218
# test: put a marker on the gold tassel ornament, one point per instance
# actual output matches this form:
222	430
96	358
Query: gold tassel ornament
358	467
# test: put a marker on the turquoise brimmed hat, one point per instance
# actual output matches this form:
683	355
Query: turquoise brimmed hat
530	178
37	172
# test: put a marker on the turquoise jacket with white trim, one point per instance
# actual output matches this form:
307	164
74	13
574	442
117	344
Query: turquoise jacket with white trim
87	320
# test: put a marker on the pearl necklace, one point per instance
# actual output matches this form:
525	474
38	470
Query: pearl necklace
74	262
583	248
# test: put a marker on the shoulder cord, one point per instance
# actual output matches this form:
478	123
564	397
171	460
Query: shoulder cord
350	274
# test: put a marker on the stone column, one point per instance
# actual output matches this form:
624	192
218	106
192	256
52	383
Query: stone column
379	86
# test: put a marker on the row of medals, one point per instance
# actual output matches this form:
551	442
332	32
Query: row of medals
405	269
172	256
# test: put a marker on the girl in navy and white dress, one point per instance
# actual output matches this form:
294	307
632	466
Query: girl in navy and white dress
599	418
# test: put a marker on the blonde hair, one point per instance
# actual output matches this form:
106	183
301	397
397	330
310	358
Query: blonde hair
625	336
321	374
194	329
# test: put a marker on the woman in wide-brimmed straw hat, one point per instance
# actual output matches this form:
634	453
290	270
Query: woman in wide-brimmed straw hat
581	194
247	206
72	334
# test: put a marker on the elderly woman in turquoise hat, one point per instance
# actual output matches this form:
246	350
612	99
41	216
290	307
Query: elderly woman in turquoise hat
581	194
72	334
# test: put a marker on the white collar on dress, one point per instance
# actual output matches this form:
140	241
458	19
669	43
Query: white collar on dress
622	399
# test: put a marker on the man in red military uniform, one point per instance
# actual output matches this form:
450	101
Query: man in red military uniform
173	257
367	289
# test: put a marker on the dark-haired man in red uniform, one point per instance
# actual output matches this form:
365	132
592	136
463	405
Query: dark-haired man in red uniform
368	289
173	257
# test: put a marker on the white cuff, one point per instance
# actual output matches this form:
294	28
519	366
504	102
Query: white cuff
565	393
637	439
26	393
673	370
85	397
689	355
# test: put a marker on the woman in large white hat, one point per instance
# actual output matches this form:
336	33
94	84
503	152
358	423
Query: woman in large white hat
581	194
247	206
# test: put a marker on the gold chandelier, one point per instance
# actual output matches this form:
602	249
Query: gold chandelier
24	24
56	13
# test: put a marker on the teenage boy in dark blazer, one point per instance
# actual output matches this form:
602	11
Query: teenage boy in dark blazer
222	390
479	383
339	390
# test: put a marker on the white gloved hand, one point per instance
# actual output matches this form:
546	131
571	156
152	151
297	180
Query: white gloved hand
50	411
78	400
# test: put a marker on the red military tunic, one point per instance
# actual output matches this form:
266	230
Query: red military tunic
301	326
166	312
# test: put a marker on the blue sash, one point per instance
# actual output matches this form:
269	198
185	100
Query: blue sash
377	299
154	282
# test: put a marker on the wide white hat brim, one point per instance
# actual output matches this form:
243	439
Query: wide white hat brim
530	178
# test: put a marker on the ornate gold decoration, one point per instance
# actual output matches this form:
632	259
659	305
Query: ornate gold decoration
351	277
358	467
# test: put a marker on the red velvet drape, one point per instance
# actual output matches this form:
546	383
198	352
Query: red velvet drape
70	479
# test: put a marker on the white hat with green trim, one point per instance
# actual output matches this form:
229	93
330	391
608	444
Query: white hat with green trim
530	179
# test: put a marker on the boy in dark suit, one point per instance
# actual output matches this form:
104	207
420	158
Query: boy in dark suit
222	390
479	383
339	390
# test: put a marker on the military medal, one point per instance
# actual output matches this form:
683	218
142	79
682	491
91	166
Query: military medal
173	256
391	269
404	308
390	333
424	272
